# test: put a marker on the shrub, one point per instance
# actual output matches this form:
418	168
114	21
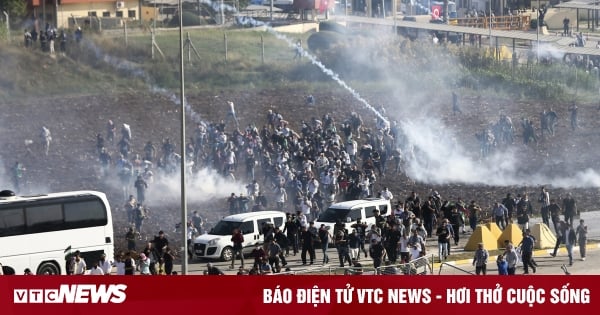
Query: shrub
533	24
324	40
332	27
189	19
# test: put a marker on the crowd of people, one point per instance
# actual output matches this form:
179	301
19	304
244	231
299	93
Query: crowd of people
401	236
502	132
302	172
48	37
156	258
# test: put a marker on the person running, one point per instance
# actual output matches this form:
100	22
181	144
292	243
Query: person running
581	232
480	260
325	237
527	252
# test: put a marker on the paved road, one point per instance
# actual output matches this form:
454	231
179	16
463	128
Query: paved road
548	264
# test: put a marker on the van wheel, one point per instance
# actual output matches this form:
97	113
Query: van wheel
49	268
227	254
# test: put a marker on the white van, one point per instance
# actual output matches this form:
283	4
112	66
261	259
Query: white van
348	212
217	243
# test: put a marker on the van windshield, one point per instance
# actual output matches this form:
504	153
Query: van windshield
331	215
225	227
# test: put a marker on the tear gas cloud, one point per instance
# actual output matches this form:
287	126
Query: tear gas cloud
441	154
202	187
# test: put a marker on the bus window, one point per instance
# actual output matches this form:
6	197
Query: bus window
84	214
12	222
44	218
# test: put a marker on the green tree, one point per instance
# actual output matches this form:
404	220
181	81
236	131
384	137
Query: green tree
16	9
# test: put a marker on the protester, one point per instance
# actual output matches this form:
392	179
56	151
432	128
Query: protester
481	259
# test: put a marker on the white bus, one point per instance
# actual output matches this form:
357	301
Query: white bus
37	232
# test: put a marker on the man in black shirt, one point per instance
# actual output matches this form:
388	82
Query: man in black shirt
160	244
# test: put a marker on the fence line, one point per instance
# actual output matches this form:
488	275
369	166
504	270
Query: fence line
453	266
420	266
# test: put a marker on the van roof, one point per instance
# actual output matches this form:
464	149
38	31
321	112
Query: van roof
352	203
244	216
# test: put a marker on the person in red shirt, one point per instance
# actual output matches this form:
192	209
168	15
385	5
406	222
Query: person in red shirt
238	243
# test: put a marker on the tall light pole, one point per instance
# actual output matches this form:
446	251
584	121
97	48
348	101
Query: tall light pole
44	13
222	12
7	25
490	26
184	255
537	35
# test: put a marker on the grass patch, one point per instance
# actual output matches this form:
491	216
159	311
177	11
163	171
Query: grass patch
257	59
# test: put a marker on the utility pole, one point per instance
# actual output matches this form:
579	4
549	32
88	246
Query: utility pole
7	26
184	262
222	13
537	33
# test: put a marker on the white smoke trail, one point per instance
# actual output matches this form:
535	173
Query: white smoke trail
136	71
204	186
334	76
441	157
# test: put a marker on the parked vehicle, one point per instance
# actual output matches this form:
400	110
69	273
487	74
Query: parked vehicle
217	243
348	212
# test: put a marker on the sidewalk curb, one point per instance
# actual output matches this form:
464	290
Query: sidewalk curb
536	253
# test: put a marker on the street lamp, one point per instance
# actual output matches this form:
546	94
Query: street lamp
184	267
537	35
7	25
223	12
490	26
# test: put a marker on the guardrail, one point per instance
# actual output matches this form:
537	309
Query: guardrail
505	22
420	266
457	268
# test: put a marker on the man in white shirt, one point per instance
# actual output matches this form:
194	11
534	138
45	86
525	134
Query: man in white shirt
306	207
120	265
313	187
386	194
302	219
96	270
80	265
105	265
231	114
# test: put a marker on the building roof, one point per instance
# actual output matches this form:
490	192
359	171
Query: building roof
588	5
558	42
